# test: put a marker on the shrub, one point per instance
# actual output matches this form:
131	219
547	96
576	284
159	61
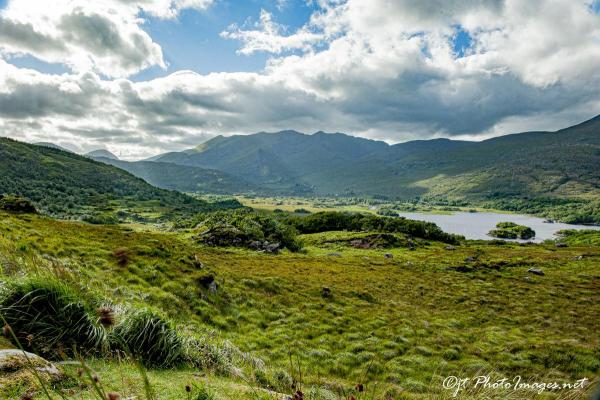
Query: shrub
49	319
246	228
149	338
16	204
100	219
510	230
339	221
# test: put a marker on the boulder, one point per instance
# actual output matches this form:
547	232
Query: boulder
272	247
450	248
326	292
388	255
16	368
470	259
536	271
561	245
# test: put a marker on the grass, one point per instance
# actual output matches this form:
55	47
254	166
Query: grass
400	324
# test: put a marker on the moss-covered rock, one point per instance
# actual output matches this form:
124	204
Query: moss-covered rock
19	368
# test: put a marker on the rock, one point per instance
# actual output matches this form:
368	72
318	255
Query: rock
15	366
470	259
561	245
197	263
334	254
205	280
577	258
212	287
388	255
326	292
272	247
255	245
450	248
536	271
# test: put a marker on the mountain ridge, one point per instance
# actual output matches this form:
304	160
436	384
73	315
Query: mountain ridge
334	164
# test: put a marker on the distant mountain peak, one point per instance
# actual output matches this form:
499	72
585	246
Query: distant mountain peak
101	153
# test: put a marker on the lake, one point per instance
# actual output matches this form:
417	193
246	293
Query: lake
477	225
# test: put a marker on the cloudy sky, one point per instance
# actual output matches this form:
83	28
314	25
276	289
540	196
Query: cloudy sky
140	77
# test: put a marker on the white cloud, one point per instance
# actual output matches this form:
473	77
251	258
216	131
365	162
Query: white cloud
381	69
268	37
104	36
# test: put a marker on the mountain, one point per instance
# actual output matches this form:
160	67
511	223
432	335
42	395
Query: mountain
564	163
61	182
286	161
181	177
101	153
53	146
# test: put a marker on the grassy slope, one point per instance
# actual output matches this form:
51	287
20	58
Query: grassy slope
181	177
62	182
402	321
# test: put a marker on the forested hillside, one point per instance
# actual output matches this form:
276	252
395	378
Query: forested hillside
182	177
61	182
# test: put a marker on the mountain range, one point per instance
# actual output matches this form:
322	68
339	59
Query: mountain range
564	163
560	164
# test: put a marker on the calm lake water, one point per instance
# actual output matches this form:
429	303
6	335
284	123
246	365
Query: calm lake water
477	225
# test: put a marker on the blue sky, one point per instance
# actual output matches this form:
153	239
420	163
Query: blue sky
193	41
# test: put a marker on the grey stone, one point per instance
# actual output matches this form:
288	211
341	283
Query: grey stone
536	271
13	360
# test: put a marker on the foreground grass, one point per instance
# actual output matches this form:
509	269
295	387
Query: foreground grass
398	324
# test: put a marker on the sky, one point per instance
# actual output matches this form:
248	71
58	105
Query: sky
142	77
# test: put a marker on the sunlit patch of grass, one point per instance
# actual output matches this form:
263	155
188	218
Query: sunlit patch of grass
410	317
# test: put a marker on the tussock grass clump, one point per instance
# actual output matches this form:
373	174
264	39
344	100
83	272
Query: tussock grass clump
149	338
49	318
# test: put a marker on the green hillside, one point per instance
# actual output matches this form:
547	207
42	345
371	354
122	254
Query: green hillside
563	163
182	177
386	310
63	183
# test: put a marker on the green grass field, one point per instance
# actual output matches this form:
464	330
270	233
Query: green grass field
331	316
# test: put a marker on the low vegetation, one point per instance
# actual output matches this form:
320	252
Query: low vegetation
337	221
510	230
391	318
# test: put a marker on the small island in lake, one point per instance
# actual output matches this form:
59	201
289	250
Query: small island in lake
510	230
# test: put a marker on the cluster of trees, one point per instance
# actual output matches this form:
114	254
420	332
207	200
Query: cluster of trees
246	228
510	230
339	221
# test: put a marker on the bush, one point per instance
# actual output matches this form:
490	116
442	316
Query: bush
49	319
510	230
149	338
100	219
16	204
338	221
246	228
